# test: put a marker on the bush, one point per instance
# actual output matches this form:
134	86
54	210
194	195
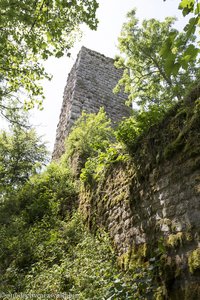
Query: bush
131	128
30	226
91	133
96	167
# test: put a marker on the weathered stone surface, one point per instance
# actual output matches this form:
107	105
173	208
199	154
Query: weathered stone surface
154	207
89	86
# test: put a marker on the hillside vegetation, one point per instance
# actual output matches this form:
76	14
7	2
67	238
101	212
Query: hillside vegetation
46	248
52	240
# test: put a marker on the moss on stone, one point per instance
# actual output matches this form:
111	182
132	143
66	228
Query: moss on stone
123	260
194	260
175	240
175	146
120	197
160	293
188	236
133	258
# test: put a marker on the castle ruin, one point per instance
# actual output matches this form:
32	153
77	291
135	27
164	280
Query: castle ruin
89	87
150	205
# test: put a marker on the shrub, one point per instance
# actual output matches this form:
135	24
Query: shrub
91	133
131	128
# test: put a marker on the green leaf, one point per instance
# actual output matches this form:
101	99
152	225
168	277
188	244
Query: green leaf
175	68
190	28
197	9
166	48
59	54
170	64
43	45
49	36
191	51
189	4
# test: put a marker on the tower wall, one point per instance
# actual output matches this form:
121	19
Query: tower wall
89	86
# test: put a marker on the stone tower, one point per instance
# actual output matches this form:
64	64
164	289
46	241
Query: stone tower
89	87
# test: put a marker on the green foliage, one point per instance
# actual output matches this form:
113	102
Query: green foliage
139	123
45	247
146	60
32	31
88	269
49	193
152	77
31	218
139	284
22	154
91	134
96	167
53	193
169	51
43	252
91	143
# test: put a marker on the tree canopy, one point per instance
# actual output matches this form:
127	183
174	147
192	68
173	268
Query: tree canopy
22	154
172	44
30	32
148	76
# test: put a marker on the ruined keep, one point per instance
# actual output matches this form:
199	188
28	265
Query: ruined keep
89	86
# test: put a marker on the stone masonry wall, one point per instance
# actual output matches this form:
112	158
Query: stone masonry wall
150	205
89	87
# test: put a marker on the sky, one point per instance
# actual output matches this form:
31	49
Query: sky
111	15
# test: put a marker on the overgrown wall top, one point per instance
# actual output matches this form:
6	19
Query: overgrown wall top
150	205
